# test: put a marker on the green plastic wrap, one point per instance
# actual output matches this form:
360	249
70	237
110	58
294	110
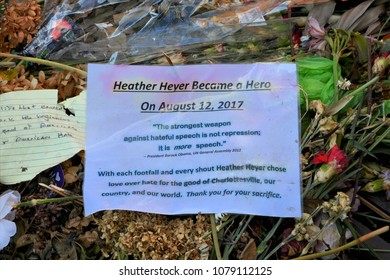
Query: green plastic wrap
315	75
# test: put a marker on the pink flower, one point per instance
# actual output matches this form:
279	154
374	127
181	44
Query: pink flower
317	34
315	30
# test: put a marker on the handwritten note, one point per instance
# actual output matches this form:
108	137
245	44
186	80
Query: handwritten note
36	133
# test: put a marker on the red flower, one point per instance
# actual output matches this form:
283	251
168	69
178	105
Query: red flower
59	25
334	156
321	157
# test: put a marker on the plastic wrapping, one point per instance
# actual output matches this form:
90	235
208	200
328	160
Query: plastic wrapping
315	76
134	31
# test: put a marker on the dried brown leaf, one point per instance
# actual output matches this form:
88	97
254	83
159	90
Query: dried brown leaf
73	222
32	13
65	248
34	83
71	174
250	251
89	238
41	76
20	36
26	239
29	38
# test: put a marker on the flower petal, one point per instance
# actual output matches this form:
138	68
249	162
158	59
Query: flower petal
334	153
338	155
326	171
330	237
7	200
7	229
320	157
315	30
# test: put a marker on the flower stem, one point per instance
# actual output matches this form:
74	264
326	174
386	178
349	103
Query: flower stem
336	76
280	245
345	246
34	202
215	237
46	62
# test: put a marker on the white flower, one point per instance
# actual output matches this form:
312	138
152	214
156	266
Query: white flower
344	84
220	217
7	227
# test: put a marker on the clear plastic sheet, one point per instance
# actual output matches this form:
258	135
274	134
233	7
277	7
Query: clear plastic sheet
122	31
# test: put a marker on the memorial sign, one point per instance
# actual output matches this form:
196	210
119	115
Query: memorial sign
193	139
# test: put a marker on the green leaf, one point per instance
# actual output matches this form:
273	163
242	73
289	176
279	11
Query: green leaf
330	42
361	45
350	16
264	243
360	147
385	108
369	18
338	106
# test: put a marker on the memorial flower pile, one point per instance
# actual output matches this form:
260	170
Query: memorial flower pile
341	50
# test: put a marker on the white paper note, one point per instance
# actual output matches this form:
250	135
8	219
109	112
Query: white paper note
196	138
36	133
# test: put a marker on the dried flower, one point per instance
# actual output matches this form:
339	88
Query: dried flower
329	239
7	227
380	64
327	124
292	248
340	206
154	237
19	23
344	84
334	162
318	107
304	228
69	84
